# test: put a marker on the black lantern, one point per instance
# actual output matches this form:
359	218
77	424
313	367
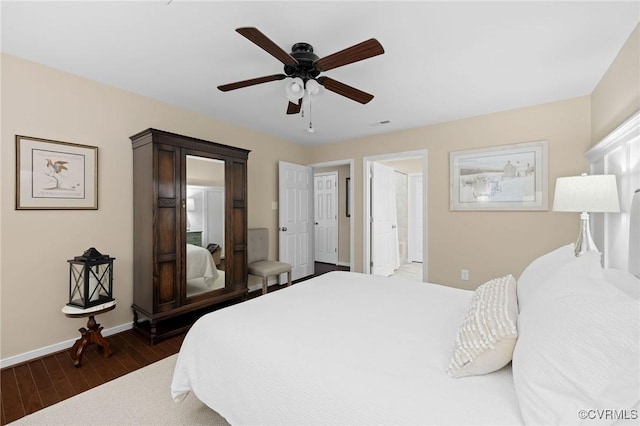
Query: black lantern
90	279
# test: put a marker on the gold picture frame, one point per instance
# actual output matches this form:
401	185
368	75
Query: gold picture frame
54	175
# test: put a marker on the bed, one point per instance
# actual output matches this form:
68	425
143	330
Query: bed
348	348
374	333
558	345
202	274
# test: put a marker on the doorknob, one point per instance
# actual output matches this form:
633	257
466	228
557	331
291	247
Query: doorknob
393	227
283	229
316	223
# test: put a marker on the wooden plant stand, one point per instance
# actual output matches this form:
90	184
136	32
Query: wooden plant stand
91	334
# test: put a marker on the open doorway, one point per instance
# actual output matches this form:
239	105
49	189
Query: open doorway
332	209
296	217
395	221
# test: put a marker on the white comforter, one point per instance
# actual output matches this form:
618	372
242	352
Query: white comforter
200	264
342	348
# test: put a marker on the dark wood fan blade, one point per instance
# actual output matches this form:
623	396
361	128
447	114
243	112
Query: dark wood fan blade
251	82
262	41
294	108
345	90
364	50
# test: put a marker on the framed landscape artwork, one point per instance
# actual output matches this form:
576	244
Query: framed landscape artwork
52	175
509	177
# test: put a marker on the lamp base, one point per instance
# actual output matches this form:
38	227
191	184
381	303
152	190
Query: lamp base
585	243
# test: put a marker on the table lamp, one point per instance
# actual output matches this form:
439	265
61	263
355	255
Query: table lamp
586	194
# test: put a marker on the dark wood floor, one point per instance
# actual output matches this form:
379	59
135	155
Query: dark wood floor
36	384
39	383
321	268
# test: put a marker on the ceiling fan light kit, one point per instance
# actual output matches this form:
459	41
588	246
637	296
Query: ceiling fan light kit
304	68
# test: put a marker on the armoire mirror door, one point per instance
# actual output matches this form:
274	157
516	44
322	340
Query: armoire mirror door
204	226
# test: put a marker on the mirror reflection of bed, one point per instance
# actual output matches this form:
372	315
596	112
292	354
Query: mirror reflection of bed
204	225
202	273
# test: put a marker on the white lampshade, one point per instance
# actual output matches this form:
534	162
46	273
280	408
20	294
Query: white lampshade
191	204
586	193
294	89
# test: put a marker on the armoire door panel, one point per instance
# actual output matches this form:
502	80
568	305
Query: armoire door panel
166	279
168	163
166	224
239	180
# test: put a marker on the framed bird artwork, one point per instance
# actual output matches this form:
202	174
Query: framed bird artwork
54	175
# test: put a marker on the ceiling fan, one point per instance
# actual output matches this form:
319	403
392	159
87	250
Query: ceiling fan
304	66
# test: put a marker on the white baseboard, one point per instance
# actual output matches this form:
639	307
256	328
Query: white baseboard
57	347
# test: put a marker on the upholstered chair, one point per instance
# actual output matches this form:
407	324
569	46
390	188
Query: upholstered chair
257	258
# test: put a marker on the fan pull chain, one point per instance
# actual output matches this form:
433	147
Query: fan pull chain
310	129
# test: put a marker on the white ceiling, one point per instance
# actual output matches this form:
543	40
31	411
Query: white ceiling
443	60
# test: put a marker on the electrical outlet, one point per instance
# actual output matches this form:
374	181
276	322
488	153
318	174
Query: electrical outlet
464	275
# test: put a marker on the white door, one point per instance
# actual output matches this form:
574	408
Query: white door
325	209
295	223
416	227
384	225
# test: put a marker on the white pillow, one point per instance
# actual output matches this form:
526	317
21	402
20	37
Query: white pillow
487	335
624	281
540	269
577	348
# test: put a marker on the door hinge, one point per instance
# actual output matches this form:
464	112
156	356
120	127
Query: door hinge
371	264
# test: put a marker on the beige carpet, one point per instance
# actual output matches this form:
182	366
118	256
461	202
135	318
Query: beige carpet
139	398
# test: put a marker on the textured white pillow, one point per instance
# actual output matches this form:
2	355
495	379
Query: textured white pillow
540	269
577	348
487	335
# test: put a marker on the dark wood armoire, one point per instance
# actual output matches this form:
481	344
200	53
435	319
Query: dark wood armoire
162	305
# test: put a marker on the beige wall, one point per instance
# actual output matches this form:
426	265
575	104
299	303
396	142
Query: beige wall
488	244
41	102
410	166
617	96
205	172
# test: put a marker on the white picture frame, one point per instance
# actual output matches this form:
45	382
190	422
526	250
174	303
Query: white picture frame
507	177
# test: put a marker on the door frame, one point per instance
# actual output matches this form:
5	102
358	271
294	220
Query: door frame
350	162
422	154
411	177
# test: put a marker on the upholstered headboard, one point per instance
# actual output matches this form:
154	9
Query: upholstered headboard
617	235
